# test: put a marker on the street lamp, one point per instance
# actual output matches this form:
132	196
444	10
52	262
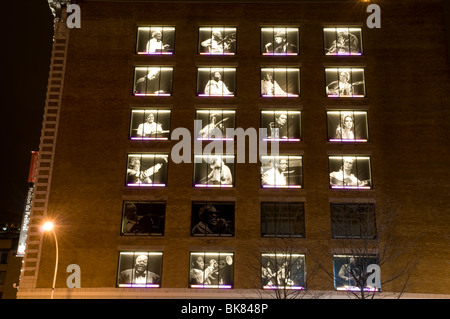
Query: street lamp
49	226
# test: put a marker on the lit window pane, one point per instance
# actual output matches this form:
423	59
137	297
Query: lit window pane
350	272
217	40
342	41
212	219
147	170
282	125
214	171
216	82
280	82
283	271
350	172
155	40
153	81
281	172
140	269
214	124
150	124
347	126
345	82
279	41
211	270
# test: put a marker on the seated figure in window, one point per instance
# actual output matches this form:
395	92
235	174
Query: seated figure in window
155	45
214	129
345	43
150	128
150	83
345	177
270	87
218	44
276	175
140	273
220	173
280	44
216	86
342	87
137	176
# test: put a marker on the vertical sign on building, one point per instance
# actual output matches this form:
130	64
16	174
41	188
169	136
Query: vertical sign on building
27	210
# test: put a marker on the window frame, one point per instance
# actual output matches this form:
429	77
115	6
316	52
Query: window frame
346	217
222	259
167	32
155	216
278	220
131	265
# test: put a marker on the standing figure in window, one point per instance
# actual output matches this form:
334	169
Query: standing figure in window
280	45
137	176
220	173
218	44
197	273
149	128
155	45
345	177
276	175
270	87
149	84
344	131
268	275
348	274
346	43
216	86
139	274
278	128
343	87
212	273
214	128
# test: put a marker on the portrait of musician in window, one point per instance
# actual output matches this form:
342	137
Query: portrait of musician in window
345	82
214	170
216	82
139	269
279	41
155	40
143	218
211	270
153	81
282	125
150	124
214	124
350	272
147	170
342	41
347	126
350	172
217	40
282	271
281	172
212	219
280	82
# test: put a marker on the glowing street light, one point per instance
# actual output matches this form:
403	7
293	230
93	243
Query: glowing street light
46	227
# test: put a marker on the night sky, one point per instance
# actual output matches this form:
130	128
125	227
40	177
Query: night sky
28	32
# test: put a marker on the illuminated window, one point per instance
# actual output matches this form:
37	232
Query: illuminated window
281	172
155	40
342	41
347	126
345	82
214	124
153	81
143	218
282	271
147	170
139	269
353	220
280	82
350	172
212	219
214	170
279	41
350	272
216	81
282	220
217	40
150	124
211	270
282	125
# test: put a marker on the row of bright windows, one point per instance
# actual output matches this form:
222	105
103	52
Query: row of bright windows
220	124
222	40
283	171
276	82
209	269
278	219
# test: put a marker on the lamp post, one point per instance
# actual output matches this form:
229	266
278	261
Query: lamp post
49	226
